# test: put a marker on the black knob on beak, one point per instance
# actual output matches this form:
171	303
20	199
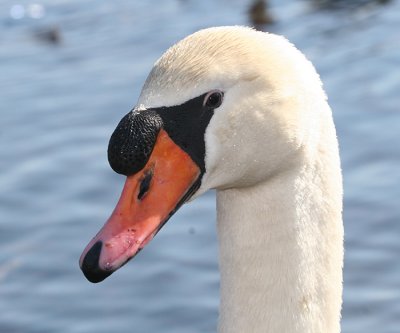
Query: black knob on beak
133	140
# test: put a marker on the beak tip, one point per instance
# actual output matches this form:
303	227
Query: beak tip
90	264
96	276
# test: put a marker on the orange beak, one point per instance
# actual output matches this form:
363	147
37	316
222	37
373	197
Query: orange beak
148	199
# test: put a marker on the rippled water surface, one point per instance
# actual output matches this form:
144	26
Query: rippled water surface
59	104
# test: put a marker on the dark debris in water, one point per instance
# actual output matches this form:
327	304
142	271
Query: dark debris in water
259	14
50	35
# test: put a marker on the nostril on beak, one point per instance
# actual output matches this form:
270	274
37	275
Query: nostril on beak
145	184
90	264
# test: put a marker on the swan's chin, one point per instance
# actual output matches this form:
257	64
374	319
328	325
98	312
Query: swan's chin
148	199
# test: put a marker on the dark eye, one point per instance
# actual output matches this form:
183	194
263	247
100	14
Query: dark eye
213	99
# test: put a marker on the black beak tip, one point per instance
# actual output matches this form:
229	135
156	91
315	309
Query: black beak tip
90	264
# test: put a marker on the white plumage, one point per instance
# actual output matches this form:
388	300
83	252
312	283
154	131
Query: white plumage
272	155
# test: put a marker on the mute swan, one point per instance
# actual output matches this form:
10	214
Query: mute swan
242	112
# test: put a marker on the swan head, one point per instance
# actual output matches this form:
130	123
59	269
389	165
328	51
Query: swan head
224	108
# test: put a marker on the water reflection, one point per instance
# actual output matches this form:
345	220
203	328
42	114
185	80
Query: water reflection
35	11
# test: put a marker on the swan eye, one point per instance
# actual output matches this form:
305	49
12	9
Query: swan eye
213	99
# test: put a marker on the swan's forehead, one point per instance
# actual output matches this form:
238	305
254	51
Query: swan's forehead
209	59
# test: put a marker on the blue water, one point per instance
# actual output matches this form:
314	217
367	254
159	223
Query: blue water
59	105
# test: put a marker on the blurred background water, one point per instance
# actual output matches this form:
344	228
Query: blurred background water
71	69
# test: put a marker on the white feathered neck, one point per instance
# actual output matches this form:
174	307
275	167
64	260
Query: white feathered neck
272	155
281	251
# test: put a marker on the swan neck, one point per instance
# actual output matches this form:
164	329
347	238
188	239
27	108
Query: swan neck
281	253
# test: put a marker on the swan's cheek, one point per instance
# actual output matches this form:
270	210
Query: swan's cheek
148	199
